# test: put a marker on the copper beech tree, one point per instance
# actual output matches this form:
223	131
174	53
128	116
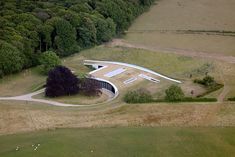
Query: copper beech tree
62	82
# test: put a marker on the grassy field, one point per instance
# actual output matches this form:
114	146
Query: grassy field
19	116
159	26
168	64
126	142
21	83
78	99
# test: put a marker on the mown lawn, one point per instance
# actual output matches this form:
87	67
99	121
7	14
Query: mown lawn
124	142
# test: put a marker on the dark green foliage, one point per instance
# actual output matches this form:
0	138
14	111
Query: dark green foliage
146	2
45	37
174	93
105	29
87	33
66	38
210	84
190	99
33	27
207	81
10	59
231	99
138	96
116	10
211	89
141	96
48	61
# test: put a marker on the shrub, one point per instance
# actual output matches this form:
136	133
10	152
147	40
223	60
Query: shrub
138	96
231	99
211	89
1	74
48	61
90	87
61	82
174	93
207	81
210	83
190	99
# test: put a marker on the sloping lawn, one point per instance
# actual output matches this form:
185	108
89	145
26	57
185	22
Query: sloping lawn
125	142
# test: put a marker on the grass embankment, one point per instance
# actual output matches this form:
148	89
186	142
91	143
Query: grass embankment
168	64
78	99
21	83
126	142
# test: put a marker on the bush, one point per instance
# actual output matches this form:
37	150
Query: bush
48	61
231	99
61	82
90	87
174	93
190	99
210	83
207	81
1	73
211	89
139	96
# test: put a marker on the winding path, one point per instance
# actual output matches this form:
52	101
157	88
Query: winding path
29	97
112	96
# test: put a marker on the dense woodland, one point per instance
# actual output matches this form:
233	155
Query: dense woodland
30	27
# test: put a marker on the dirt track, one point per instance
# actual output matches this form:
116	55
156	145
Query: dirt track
214	56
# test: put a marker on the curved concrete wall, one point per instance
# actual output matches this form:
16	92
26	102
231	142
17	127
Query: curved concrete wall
116	92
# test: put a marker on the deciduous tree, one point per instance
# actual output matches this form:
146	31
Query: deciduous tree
48	61
174	93
61	81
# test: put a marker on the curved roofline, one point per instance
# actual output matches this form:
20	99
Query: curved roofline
136	67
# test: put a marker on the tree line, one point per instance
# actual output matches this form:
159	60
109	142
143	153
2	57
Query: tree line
30	27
